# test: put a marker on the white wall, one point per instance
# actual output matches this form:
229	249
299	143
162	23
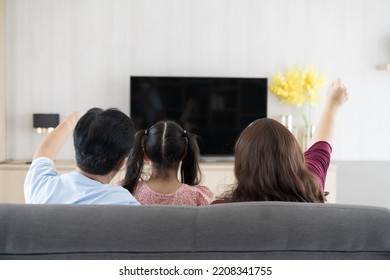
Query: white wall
66	55
2	80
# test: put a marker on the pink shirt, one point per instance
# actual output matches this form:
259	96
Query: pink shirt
185	195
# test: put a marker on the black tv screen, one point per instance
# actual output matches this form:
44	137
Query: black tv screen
215	109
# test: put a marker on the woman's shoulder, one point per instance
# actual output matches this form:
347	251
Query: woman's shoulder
320	145
221	201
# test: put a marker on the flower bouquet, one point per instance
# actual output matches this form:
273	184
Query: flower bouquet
299	87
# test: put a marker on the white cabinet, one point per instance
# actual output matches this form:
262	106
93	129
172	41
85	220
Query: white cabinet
217	176
11	183
330	184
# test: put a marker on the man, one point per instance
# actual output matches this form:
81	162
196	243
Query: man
102	141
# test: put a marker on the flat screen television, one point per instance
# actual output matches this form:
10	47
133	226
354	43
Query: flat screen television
215	109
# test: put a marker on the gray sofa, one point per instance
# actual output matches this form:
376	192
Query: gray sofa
255	230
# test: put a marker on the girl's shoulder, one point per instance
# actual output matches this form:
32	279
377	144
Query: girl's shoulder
202	192
142	187
197	188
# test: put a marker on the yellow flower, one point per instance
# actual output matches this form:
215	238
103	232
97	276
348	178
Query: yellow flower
298	86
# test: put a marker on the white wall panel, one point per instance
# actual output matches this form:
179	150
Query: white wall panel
3	106
65	55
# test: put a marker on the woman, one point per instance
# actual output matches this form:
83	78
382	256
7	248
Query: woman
270	165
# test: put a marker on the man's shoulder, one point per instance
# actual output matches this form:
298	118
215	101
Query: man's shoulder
118	195
42	160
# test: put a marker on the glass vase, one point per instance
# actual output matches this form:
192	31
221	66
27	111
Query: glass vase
307	136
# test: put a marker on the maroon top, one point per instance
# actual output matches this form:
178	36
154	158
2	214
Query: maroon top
317	159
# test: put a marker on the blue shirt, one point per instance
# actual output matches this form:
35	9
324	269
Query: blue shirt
44	185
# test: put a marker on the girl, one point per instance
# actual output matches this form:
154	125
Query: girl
269	163
167	147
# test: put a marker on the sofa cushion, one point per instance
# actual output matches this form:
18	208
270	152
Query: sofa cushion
252	230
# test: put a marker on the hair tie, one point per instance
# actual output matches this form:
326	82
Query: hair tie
184	134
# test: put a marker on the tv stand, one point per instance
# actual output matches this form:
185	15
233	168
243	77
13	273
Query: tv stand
208	159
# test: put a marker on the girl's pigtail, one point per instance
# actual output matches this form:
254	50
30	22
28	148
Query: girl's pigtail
135	162
190	171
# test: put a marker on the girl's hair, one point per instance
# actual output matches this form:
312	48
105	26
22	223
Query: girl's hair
270	166
166	144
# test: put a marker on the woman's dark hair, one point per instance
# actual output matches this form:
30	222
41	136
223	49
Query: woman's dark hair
166	144
270	166
102	138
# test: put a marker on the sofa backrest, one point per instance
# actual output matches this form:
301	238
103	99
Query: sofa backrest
254	230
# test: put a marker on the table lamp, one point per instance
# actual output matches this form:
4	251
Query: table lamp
45	123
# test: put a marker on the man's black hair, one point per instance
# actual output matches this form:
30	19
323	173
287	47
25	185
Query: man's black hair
102	138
